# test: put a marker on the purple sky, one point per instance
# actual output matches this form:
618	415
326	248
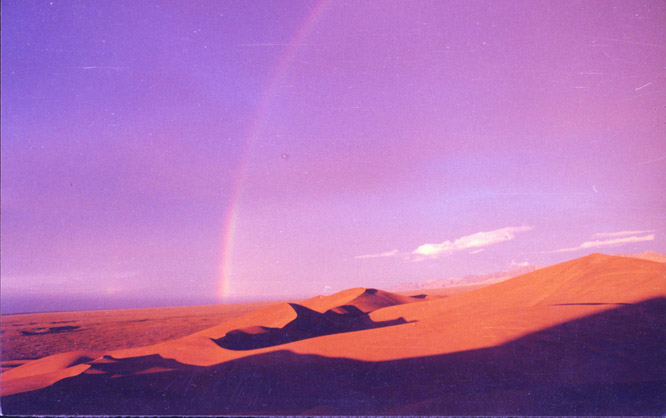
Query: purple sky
300	147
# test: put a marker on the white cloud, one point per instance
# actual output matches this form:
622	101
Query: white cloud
607	243
384	254
516	264
619	234
477	251
477	240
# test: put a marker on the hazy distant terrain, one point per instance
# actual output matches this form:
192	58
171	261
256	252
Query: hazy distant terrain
647	255
465	281
486	279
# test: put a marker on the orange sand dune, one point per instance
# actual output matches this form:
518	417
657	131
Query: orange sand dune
46	371
201	348
581	337
366	300
501	312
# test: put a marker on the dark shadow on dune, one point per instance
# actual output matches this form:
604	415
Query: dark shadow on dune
610	363
592	304
421	296
308	324
350	310
81	360
52	330
135	365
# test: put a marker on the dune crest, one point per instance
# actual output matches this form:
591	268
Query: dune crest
45	371
366	300
506	325
307	324
356	300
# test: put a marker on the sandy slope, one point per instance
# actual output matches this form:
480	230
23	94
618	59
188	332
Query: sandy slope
366	300
595	325
499	313
200	348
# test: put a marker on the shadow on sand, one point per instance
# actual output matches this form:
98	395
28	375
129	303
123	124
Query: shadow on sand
610	363
308	324
592	304
52	330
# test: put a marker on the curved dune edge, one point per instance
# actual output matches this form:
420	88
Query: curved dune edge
197	349
51	364
19	384
606	364
44	372
366	300
479	319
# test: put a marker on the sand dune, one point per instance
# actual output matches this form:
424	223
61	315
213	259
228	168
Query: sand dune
307	324
281	323
46	371
581	337
366	300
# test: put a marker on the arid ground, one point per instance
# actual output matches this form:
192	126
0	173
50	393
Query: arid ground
585	337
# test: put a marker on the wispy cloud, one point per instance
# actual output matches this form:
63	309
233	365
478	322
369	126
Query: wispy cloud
619	234
98	67
477	240
654	160
384	254
260	44
607	243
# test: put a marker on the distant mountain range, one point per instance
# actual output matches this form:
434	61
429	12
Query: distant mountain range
486	279
467	280
647	255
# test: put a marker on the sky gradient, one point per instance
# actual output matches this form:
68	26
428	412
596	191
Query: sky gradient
163	153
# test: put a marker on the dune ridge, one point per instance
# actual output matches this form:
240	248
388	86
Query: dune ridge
307	324
545	311
366	300
275	325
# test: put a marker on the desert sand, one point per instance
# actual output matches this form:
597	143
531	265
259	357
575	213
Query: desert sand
584	337
32	336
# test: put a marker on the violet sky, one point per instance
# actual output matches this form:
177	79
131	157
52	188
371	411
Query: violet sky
345	143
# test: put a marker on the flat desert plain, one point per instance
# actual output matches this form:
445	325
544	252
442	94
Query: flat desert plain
584	337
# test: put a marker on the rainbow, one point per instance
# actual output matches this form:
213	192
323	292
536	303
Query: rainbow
231	216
